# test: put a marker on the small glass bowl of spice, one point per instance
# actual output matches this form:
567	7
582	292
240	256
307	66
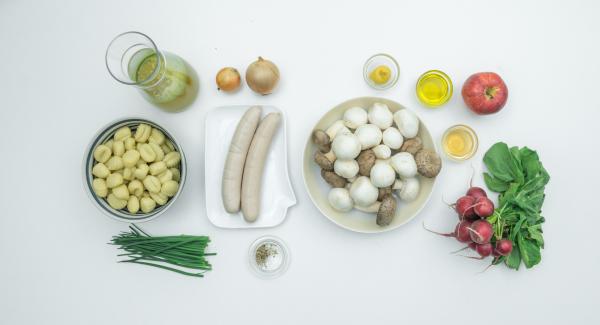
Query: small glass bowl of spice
460	142
381	71
269	257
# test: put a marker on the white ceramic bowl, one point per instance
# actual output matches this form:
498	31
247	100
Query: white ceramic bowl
104	135
356	220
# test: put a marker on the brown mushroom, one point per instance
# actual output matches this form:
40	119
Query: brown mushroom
412	146
383	191
333	179
387	210
428	162
321	140
323	161
366	161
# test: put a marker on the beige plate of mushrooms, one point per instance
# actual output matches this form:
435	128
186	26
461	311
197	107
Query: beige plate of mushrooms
370	165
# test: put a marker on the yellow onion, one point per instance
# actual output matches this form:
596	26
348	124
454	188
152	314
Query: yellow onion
228	79
262	76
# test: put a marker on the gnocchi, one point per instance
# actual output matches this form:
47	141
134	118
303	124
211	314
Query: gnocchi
172	159
121	192
147	204
169	188
115	202
160	154
159	198
100	170
114	163
118	148
130	158
100	188
147	153
135	187
102	153
133	205
141	171
152	184
157	168
113	180
143	133
136	170
122	133
129	143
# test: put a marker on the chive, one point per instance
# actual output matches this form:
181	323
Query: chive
182	251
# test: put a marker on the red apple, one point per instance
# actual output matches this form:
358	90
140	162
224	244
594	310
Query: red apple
485	93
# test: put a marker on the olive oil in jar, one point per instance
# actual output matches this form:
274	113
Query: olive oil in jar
434	88
460	142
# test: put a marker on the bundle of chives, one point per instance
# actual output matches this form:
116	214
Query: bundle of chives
182	252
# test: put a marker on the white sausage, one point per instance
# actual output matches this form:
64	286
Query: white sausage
236	157
255	163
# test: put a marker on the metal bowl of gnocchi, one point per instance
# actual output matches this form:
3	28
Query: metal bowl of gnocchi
134	170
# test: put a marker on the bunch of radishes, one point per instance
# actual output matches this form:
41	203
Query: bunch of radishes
473	228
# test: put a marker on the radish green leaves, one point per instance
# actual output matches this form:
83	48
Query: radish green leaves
520	178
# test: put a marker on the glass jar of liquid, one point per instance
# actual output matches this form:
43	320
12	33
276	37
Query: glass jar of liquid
434	88
163	78
460	142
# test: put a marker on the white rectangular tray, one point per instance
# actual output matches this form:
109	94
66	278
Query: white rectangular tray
277	193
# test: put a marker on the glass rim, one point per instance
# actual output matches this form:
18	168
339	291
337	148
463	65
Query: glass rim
154	47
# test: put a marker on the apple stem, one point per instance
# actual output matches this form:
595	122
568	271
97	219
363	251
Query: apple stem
490	92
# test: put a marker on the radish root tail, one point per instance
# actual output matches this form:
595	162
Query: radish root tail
439	233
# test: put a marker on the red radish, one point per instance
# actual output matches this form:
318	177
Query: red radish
484	250
481	231
461	232
465	207
476	192
484	207
504	247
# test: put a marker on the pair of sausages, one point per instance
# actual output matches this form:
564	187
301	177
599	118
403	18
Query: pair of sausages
242	176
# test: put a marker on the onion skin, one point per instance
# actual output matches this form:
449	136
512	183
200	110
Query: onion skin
262	76
228	79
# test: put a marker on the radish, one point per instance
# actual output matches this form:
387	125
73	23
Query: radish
461	232
504	247
481	231
484	207
464	206
484	250
476	192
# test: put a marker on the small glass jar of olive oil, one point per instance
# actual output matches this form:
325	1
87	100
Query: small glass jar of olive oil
434	88
460	142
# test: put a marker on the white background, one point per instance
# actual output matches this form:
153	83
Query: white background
55	266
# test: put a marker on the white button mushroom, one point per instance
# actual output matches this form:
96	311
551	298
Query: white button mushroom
346	168
409	190
382	174
363	193
355	117
380	115
382	151
404	164
340	199
337	128
346	146
369	136
407	123
393	138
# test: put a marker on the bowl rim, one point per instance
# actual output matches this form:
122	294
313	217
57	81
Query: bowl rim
87	171
310	195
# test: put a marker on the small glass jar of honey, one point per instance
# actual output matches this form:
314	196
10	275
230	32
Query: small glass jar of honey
460	142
